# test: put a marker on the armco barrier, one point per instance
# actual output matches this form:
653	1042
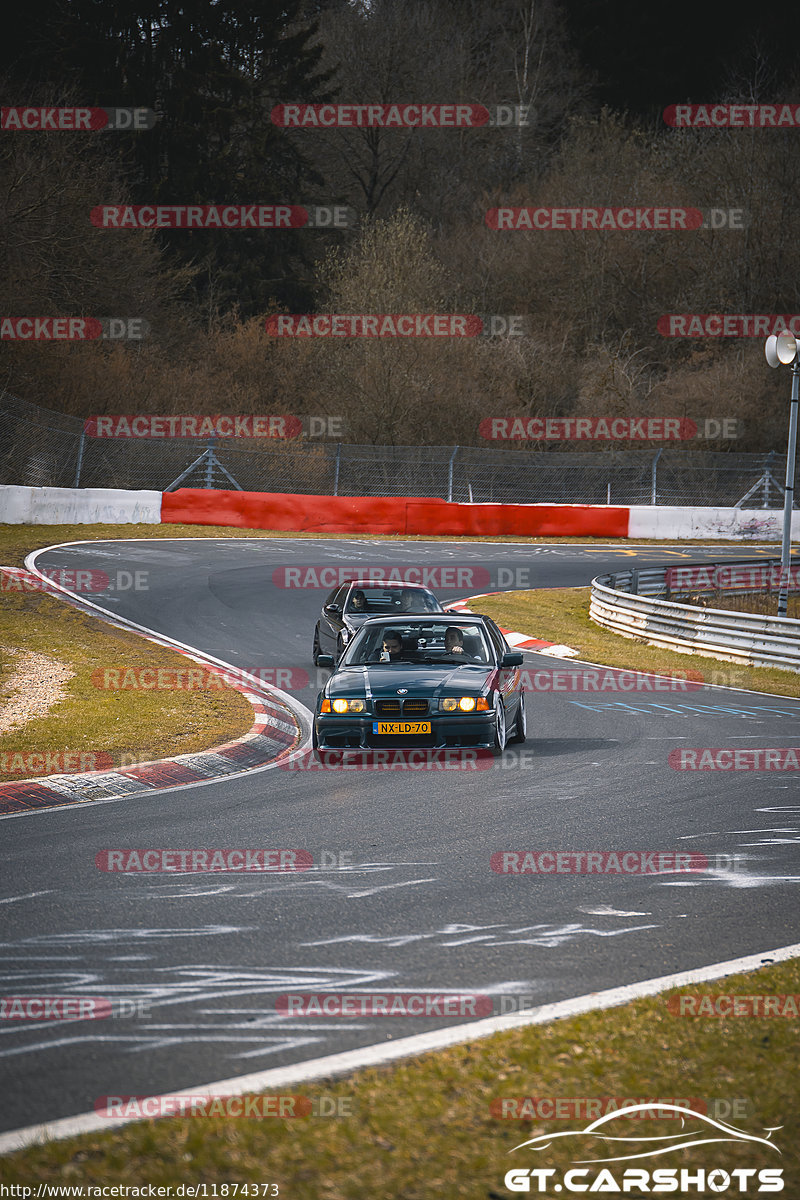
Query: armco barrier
746	638
387	514
78	506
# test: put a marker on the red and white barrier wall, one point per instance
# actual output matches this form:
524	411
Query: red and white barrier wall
78	506
383	514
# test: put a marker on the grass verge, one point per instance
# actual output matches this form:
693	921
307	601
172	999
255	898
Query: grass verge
562	615
130	726
426	1127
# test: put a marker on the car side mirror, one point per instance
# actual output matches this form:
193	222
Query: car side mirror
514	659
326	660
332	608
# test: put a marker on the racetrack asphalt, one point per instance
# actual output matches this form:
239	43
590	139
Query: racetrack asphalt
404	898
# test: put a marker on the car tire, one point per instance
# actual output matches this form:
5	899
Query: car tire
499	743
521	723
316	649
314	739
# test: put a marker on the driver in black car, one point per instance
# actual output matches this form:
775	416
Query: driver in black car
358	601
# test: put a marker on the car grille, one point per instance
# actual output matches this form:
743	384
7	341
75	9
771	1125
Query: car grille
409	708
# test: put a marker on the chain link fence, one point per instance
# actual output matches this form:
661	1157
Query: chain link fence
41	448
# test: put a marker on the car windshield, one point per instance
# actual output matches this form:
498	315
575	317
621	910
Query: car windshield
383	601
442	642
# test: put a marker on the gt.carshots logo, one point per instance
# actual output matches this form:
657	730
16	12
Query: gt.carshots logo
621	1140
86	120
398	116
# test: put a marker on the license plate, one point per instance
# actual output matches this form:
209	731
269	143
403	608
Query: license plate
400	727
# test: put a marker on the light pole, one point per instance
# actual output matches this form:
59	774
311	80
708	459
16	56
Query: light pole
784	348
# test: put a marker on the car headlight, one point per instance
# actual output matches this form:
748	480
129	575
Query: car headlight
464	704
340	705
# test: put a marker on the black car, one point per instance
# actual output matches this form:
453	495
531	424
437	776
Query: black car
350	604
435	681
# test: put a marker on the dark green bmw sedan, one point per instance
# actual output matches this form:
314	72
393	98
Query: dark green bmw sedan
423	681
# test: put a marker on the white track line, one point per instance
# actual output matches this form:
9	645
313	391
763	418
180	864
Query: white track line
421	1043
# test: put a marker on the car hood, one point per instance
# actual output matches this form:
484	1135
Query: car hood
383	679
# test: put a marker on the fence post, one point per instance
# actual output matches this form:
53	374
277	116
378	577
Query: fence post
79	463
336	469
654	469
450	475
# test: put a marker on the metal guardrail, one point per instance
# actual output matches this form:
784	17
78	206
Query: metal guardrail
632	604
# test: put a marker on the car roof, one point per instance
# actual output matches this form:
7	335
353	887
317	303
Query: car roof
393	583
442	618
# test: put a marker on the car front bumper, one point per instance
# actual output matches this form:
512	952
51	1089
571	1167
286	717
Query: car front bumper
353	732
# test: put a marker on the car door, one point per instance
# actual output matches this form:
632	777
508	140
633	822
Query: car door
330	623
508	677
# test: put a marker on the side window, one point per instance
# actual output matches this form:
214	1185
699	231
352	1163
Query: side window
330	599
498	640
340	595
